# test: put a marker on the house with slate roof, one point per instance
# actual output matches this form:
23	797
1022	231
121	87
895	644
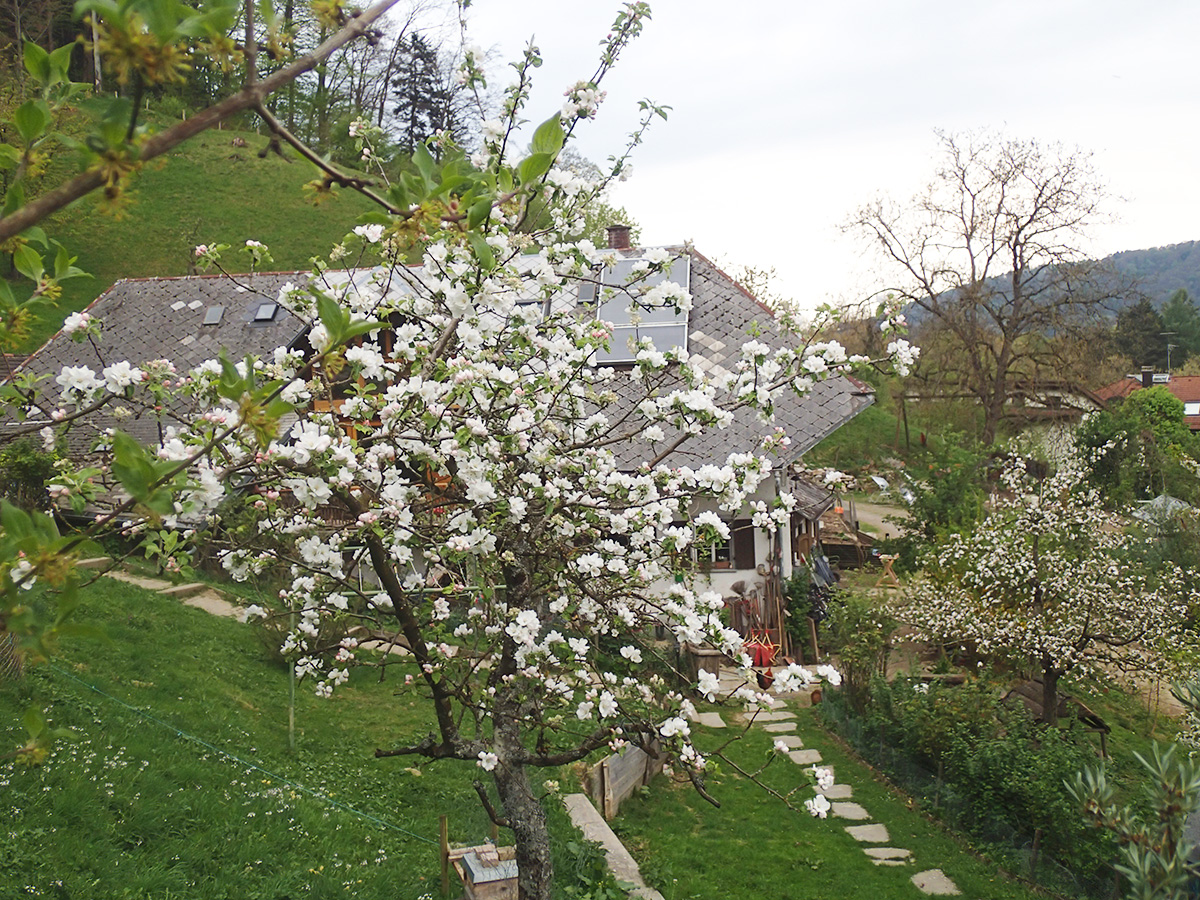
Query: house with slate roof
190	319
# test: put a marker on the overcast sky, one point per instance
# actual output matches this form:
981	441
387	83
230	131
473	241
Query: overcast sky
789	115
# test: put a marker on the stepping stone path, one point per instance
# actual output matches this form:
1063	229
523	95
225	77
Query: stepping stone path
780	723
201	596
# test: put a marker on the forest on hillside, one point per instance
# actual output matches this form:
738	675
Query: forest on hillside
1159	271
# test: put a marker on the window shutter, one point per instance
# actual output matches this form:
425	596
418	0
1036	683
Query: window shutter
743	544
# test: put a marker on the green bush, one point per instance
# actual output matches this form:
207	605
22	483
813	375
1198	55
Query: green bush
860	635
949	490
25	470
983	766
1141	449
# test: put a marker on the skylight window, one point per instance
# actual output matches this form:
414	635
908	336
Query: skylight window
266	312
633	317
212	315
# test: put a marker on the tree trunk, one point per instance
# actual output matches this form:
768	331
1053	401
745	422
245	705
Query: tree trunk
528	821
1049	692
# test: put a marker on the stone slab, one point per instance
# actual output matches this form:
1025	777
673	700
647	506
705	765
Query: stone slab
152	584
934	881
770	715
185	590
94	562
594	828
887	852
779	727
851	811
805	757
213	603
710	720
839	792
890	862
791	741
869	834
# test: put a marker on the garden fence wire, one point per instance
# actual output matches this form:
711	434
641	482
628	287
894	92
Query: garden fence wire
11	668
1019	851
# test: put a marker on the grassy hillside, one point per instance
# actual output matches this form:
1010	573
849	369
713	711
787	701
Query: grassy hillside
206	191
179	781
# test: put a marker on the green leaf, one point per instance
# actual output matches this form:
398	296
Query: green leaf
534	167
64	267
333	317
60	63
17	523
425	164
37	63
549	136
231	385
483	251
10	157
450	184
14	199
375	217
34	233
28	262
479	213
131	468
400	197
32	118
354	329
35	722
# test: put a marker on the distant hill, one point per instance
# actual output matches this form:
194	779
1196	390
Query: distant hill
1160	271
1157	272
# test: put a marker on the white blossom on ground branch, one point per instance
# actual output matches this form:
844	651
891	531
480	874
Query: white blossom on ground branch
1051	579
447	464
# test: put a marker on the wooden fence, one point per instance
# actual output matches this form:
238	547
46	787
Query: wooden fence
616	777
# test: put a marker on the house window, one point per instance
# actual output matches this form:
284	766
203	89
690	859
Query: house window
735	553
1191	408
717	556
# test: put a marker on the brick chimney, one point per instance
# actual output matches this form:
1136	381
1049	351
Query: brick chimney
1147	376
618	237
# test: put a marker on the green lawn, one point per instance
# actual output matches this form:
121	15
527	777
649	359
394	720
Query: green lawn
754	846
181	783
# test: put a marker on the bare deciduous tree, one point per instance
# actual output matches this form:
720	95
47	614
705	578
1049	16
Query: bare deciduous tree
989	255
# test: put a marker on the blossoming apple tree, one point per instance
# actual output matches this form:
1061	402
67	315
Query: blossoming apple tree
1051	579
441	463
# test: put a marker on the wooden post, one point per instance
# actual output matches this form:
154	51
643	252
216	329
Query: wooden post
495	835
812	639
1037	846
444	852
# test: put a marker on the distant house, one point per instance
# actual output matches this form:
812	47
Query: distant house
1185	387
189	319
